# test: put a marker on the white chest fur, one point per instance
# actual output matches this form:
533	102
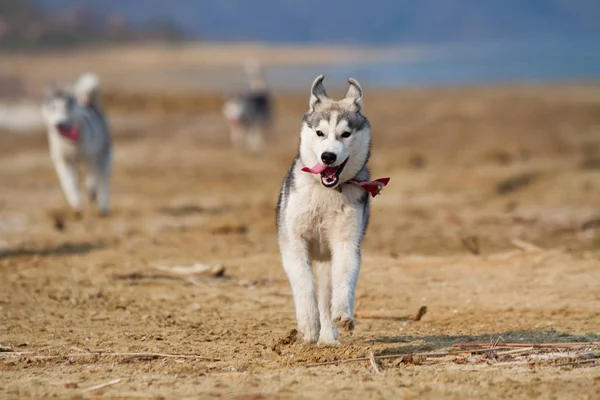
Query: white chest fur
318	215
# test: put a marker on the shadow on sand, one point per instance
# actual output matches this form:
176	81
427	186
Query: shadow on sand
438	342
62	249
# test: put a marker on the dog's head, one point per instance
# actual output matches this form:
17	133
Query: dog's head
57	109
335	136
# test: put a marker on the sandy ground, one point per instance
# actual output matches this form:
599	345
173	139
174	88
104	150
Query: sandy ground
483	165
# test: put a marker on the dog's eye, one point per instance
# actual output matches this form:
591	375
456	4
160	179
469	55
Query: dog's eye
320	133
346	134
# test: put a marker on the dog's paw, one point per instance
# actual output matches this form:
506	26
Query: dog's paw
328	342
346	323
310	332
309	339
328	335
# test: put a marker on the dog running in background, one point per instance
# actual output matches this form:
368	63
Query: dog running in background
78	135
249	114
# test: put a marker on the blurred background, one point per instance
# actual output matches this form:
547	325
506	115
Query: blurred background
382	43
485	114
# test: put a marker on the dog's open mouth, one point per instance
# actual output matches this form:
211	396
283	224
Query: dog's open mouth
330	176
69	131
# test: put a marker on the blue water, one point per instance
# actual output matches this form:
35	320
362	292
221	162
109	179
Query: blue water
497	63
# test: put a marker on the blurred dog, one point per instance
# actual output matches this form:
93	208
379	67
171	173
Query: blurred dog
78	135
323	211
249	115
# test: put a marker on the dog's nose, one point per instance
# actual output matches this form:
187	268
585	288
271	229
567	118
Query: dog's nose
328	157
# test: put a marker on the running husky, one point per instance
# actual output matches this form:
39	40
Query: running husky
249	114
323	212
78	134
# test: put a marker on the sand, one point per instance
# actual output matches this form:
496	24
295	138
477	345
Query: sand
488	221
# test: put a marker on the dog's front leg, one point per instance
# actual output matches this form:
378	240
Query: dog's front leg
329	333
298	269
346	266
69	181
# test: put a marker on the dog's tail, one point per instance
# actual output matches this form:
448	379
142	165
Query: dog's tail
87	88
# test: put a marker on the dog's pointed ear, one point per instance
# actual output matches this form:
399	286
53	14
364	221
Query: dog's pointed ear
355	93
317	92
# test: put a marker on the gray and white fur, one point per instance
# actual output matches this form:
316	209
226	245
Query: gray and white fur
249	114
62	112
321	218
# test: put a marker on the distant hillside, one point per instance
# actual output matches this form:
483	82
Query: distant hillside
359	21
24	24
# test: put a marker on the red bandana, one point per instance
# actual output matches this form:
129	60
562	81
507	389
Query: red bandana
373	187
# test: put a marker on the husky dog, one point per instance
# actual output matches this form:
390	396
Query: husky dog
78	134
323	212
249	114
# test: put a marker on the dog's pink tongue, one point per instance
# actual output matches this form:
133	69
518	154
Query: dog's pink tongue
69	132
317	169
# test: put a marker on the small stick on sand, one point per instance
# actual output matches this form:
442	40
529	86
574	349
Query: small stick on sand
374	363
578	362
380	315
334	362
102	385
157	355
102	353
177	273
485	350
514	351
15	353
386	357
497	340
488	345
391	356
525	246
509	364
422	311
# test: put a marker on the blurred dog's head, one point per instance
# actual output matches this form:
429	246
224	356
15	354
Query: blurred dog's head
57	109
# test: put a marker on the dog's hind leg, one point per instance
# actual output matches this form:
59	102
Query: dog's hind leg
237	135
91	184
103	183
329	332
255	140
297	267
